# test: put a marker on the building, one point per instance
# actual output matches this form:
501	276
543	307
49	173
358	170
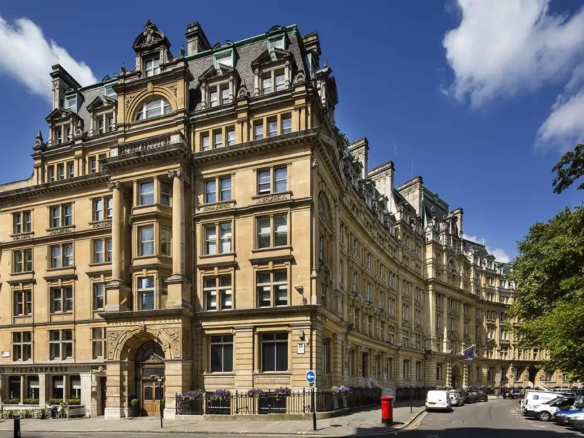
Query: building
200	222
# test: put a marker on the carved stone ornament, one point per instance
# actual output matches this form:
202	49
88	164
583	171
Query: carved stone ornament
113	338
174	337
300	78
272	198
180	174
38	143
243	92
217	207
25	236
173	90
60	231
150	37
101	224
79	129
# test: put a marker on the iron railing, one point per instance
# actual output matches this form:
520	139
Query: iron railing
297	402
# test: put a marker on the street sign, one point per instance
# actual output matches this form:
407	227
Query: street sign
310	376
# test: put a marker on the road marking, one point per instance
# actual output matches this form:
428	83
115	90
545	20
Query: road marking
416	422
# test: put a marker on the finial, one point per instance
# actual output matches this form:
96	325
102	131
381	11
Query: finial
182	51
325	64
123	68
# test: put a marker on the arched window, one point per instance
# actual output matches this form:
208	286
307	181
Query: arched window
153	108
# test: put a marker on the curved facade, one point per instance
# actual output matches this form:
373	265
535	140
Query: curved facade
200	222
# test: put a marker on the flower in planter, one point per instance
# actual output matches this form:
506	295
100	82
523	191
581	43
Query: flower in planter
31	401
220	394
55	401
282	392
340	389
193	395
255	392
73	401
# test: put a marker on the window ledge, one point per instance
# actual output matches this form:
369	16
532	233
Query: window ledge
106	223
221	254
22	236
217	206
92	265
15	274
63	268
272	197
271	248
60	230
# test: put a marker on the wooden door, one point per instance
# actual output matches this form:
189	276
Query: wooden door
152	394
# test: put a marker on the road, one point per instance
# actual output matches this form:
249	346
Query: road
495	418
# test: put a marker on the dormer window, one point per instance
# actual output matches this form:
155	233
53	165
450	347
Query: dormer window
71	103
109	91
277	42
152	66
153	108
224	58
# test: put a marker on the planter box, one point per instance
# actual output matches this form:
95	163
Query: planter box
272	404
218	407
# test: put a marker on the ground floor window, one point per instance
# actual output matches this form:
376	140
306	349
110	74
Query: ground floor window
439	372
274	352
490	374
58	387
75	387
33	387
389	369
418	370
406	369
222	354
14	387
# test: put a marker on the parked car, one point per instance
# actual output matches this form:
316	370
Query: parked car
437	399
469	398
560	416
512	394
479	395
545	411
575	421
456	398
534	398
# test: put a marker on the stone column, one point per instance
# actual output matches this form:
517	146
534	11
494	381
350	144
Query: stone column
178	287
465	376
65	387
43	399
21	389
118	296
86	392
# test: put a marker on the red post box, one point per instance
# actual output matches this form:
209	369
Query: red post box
387	409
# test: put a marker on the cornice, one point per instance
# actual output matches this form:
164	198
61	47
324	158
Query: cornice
56	186
255	146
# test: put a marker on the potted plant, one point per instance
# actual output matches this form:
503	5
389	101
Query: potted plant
73	401
219	402
135	406
55	401
11	401
31	401
255	392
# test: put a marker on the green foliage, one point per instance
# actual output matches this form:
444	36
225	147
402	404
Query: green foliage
569	169
135	402
55	401
549	300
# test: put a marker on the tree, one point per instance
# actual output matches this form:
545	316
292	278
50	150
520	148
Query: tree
569	169
549	300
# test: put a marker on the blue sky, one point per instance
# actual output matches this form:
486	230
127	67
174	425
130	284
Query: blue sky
482	96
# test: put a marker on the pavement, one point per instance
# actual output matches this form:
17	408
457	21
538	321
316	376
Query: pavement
363	422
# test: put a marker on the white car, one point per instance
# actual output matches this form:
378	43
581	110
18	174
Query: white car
438	400
455	398
545	411
534	398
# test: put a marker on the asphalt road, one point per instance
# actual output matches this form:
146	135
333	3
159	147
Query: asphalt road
495	418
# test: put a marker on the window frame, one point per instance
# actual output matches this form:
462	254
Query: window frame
25	256
275	341
98	341
273	284
142	114
62	219
272	229
221	341
155	68
94	296
141	243
24	297
218	194
62	341
63	299
20	346
219	289
146	290
274	180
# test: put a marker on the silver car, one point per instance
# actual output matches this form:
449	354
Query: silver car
456	398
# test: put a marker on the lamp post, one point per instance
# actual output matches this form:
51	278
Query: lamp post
160	380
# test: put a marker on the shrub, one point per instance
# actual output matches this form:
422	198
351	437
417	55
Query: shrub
255	392
31	401
12	401
220	394
135	403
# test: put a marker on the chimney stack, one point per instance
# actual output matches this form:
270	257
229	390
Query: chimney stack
196	39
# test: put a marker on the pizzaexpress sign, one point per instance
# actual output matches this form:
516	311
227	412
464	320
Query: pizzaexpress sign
37	369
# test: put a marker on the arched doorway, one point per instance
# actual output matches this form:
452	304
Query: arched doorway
150	377
456	377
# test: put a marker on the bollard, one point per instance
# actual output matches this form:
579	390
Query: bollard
17	426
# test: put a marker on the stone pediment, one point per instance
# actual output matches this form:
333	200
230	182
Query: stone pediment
214	72
59	114
100	101
268	56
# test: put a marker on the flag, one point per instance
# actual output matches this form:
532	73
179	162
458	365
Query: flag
469	354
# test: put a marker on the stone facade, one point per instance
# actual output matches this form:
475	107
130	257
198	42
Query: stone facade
199	222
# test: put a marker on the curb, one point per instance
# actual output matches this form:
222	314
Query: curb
308	433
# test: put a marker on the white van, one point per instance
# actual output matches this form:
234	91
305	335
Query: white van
535	398
438	400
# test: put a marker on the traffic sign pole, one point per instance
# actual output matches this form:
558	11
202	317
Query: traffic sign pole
311	379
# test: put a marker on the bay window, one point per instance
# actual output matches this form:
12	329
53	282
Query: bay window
146	293
146	241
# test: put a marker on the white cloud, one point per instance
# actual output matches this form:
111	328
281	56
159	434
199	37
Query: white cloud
27	57
471	238
503	48
499	253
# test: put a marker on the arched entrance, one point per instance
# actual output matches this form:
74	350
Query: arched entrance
150	377
456	377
